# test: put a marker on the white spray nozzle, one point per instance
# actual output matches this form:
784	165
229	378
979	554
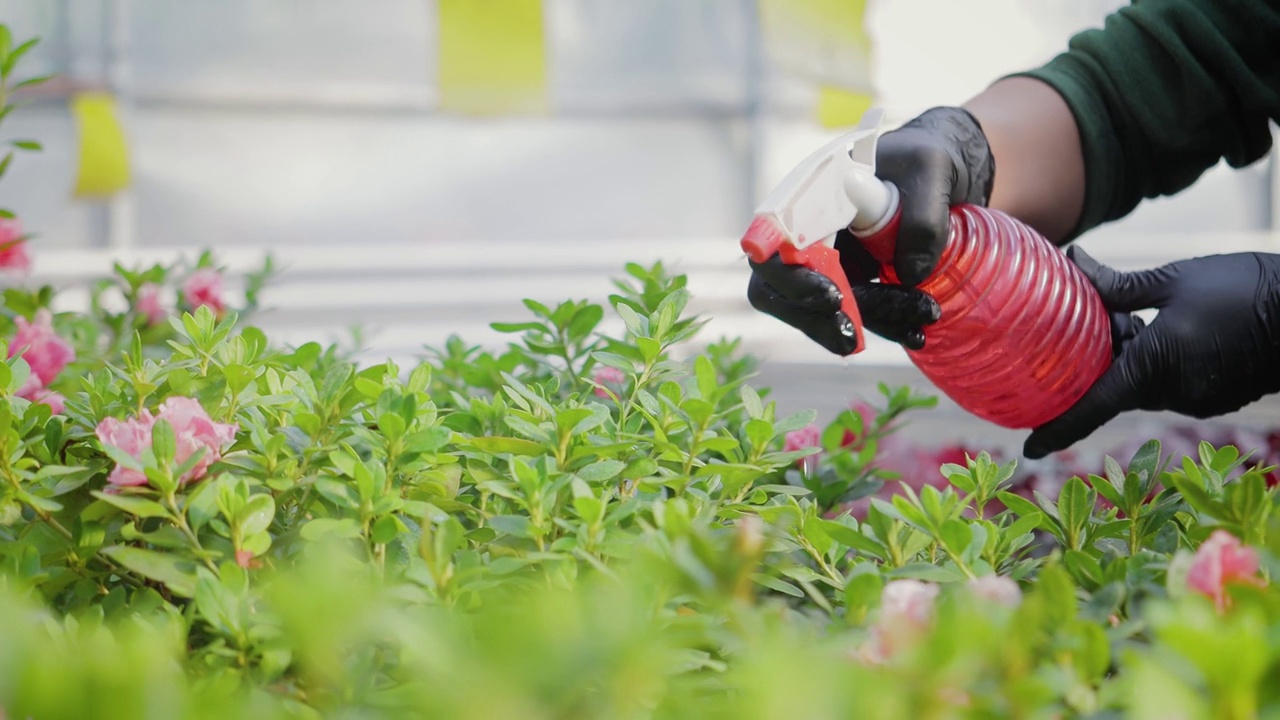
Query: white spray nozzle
834	188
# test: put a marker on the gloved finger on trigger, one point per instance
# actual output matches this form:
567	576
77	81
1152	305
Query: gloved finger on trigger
800	285
911	338
855	259
895	305
830	329
834	332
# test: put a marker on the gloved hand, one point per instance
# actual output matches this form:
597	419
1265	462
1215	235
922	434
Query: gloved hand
1213	348
936	160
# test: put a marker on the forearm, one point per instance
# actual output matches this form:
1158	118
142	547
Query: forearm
1039	163
1163	92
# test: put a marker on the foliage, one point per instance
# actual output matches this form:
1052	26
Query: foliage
499	534
10	55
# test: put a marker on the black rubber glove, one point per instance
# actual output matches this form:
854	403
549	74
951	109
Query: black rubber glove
936	160
1213	348
939	159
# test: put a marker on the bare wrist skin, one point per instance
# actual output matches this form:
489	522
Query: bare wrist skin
1039	162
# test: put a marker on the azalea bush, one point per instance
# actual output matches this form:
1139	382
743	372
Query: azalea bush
196	521
580	525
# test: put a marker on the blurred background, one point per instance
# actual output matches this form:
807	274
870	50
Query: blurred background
419	166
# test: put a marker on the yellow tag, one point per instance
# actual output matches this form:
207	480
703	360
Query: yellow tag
822	40
839	108
492	57
104	156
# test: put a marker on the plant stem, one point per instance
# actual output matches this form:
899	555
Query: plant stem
831	572
180	520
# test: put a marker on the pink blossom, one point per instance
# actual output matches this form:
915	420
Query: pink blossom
13	251
1221	561
605	376
204	287
193	430
997	589
806	437
906	612
150	304
35	391
40	346
133	436
244	558
907	600
868	415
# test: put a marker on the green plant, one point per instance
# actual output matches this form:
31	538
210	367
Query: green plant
504	534
10	55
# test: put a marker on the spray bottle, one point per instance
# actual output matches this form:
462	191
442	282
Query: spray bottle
1022	334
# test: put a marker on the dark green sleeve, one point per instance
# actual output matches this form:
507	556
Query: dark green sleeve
1164	91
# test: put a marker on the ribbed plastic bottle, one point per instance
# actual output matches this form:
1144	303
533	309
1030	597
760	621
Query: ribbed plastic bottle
1022	334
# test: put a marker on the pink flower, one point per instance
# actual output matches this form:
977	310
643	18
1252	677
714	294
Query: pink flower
133	436
907	601
40	346
868	415
997	589
605	376
34	391
1221	561
150	305
13	251
204	287
906	612
244	558
806	437
193	430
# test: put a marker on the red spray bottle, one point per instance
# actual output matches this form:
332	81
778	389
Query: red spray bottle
1022	334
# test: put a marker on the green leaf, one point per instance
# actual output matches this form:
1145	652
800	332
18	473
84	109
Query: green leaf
517	327
1146	459
600	471
26	145
1086	570
238	377
515	525
751	402
1020	506
1109	491
777	584
1075	509
862	591
321	528
956	535
178	574
133	504
391	425
11	57
163	442
584	321
256	514
386	529
499	445
33	81
614	360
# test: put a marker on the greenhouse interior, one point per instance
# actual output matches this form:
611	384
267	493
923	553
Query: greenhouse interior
408	184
